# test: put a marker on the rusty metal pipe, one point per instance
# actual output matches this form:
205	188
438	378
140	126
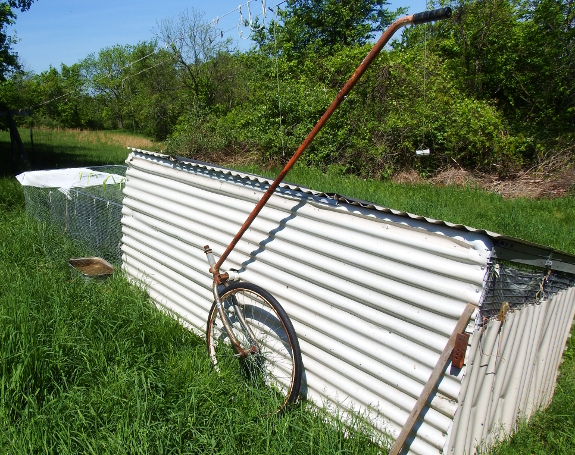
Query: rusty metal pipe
226	322
419	18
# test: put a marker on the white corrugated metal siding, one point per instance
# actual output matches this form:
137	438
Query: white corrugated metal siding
373	300
511	372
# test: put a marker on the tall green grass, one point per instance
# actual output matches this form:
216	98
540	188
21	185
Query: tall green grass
94	367
545	221
49	149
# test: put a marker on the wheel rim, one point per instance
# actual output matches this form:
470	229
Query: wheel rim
267	377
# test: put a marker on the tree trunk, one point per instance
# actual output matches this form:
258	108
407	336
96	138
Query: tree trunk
17	146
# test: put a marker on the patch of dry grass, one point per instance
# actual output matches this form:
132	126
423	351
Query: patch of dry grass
410	177
113	138
453	176
551	177
554	177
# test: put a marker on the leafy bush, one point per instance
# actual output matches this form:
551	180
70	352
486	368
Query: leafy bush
376	130
491	89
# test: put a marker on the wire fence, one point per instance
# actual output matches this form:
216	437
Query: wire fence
90	216
517	287
38	141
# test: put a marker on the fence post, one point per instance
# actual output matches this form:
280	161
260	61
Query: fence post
33	152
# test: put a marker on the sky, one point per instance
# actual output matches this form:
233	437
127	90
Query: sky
66	31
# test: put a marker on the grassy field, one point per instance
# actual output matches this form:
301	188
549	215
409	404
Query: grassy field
95	368
544	221
72	148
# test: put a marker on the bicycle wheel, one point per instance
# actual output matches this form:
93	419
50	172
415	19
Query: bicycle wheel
271	376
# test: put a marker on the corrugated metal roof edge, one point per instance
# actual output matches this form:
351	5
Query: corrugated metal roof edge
504	243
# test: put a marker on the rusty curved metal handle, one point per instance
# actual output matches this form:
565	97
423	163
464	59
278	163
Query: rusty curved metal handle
419	18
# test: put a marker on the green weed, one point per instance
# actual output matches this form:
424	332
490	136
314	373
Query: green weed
545	221
96	368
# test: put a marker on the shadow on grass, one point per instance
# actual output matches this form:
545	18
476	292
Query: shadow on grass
48	156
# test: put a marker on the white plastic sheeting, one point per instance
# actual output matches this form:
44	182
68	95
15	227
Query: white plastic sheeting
68	178
511	372
373	296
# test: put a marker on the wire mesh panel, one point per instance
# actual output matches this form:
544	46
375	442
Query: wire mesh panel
90	215
507	283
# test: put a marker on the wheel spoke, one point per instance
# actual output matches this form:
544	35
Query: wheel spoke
272	374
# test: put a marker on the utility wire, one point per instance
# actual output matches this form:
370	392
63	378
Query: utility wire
250	20
227	14
58	97
278	84
145	70
424	80
131	63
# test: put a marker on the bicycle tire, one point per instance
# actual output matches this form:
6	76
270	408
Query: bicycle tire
272	376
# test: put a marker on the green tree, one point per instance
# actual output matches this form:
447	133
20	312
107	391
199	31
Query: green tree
105	73
61	96
196	46
327	25
154	92
8	64
8	59
542	88
516	54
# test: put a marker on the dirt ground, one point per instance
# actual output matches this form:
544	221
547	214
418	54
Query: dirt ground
542	182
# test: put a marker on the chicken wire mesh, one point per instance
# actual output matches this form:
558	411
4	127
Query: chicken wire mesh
520	286
90	216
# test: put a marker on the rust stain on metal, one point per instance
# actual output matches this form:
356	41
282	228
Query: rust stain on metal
458	354
503	311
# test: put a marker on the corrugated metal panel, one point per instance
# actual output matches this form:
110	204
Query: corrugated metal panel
373	301
507	247
511	372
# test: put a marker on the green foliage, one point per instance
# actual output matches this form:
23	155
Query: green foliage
71	107
379	126
476	90
327	25
106	78
134	87
9	60
492	89
23	5
517	55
